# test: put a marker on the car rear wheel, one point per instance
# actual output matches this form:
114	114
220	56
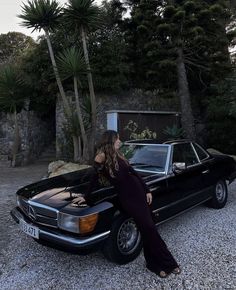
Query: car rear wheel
220	195
124	243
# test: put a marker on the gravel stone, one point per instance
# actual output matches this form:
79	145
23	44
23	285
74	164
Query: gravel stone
202	240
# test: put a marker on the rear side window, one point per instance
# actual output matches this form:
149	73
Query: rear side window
202	154
184	153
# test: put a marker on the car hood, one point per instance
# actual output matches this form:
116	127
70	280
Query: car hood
78	178
60	192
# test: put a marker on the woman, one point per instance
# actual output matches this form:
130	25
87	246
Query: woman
135	198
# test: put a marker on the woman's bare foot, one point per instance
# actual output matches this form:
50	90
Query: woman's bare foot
162	274
176	271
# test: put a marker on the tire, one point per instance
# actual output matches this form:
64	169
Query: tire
220	195
124	242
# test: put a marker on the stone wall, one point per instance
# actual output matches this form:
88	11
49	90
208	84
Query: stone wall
35	135
130	100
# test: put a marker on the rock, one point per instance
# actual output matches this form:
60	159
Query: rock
61	167
53	166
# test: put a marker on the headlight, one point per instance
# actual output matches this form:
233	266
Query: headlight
88	223
75	224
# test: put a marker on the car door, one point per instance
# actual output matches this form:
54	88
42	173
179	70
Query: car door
209	174
186	186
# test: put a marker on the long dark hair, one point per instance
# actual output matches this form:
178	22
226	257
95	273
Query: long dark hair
106	146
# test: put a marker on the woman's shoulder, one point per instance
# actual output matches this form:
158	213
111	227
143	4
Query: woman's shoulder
100	157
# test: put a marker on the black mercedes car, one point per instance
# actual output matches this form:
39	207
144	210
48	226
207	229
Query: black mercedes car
180	175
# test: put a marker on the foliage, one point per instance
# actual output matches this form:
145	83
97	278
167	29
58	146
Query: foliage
13	89
13	45
37	69
71	63
41	14
107	52
174	132
221	117
145	134
157	28
82	13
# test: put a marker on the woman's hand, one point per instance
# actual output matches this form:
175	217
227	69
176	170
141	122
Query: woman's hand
79	200
149	198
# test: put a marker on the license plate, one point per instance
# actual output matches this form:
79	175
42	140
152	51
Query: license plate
29	229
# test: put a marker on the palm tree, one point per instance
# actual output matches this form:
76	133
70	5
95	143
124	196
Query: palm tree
71	64
46	15
83	16
13	90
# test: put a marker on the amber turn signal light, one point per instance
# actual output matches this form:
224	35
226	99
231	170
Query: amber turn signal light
88	223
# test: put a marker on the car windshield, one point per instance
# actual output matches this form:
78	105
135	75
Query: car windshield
146	157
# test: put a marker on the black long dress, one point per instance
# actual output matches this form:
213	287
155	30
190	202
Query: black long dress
132	191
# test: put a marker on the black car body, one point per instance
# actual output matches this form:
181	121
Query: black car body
180	175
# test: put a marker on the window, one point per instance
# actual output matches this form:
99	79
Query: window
148	157
202	154
184	153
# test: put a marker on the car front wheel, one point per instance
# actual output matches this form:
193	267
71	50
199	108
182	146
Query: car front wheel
220	195
124	242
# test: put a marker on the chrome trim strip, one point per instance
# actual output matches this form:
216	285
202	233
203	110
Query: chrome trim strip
60	237
46	217
149	171
195	153
43	206
75	241
168	160
147	144
47	225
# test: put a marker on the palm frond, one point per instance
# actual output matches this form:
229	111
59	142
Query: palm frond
71	63
41	14
83	13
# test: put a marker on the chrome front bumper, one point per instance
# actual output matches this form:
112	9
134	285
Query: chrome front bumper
59	238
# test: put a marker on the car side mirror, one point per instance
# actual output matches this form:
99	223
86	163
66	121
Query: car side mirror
178	167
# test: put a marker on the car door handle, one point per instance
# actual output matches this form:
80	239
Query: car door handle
205	171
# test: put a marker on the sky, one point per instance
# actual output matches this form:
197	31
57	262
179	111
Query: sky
9	9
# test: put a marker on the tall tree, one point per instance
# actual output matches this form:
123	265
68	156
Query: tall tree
71	64
13	92
83	16
46	15
197	32
107	51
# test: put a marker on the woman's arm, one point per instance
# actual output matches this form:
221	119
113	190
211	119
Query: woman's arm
147	190
94	180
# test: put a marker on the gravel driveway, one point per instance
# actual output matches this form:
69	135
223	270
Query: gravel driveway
203	241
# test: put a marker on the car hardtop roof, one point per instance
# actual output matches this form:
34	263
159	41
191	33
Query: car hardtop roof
157	142
179	141
144	141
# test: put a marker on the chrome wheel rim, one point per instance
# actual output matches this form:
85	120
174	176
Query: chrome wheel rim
128	237
220	192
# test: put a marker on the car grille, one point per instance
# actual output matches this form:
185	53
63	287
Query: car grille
39	213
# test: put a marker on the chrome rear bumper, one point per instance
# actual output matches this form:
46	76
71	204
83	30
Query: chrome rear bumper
59	238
